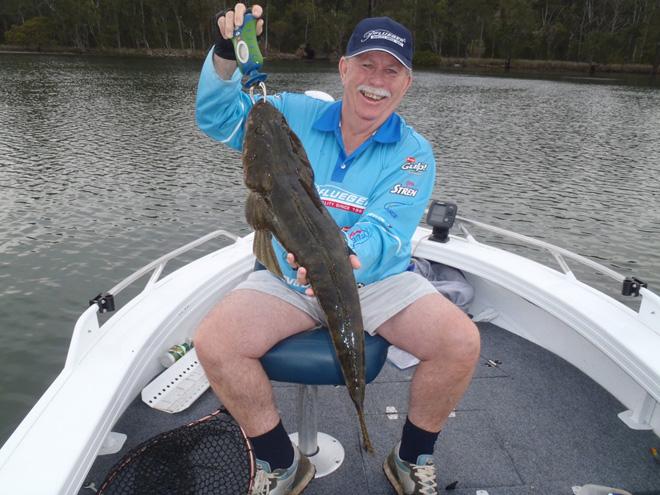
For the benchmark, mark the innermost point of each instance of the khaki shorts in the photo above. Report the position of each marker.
(379, 301)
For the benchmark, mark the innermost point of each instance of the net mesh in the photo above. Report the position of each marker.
(208, 456)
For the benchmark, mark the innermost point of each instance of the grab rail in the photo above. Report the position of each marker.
(87, 329)
(105, 300)
(557, 252)
(159, 264)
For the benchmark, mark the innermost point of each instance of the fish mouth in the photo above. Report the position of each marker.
(373, 94)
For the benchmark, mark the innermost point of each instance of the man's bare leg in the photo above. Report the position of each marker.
(447, 344)
(230, 341)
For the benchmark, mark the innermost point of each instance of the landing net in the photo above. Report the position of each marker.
(209, 456)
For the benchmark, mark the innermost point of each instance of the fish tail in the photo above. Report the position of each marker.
(365, 434)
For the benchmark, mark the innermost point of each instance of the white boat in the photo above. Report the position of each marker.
(530, 423)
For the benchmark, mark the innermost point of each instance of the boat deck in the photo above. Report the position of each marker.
(533, 424)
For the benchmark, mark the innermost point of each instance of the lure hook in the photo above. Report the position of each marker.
(262, 85)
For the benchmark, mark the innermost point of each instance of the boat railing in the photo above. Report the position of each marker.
(157, 266)
(105, 300)
(560, 254)
(649, 307)
(86, 330)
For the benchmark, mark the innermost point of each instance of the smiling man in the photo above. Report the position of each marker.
(375, 175)
(376, 72)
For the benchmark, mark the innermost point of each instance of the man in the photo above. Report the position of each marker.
(375, 175)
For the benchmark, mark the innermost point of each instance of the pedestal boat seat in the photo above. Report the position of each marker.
(309, 359)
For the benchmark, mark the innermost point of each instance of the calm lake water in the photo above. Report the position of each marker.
(102, 169)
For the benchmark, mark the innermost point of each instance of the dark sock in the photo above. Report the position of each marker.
(416, 442)
(274, 447)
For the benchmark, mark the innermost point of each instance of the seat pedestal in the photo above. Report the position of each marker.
(329, 454)
(323, 450)
(309, 360)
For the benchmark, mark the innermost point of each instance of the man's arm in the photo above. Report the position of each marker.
(381, 237)
(224, 59)
(221, 106)
(223, 67)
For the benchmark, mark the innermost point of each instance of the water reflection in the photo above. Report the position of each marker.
(102, 169)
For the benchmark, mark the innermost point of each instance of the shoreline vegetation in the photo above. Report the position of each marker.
(440, 63)
(545, 36)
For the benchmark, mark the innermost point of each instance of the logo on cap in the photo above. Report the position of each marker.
(383, 34)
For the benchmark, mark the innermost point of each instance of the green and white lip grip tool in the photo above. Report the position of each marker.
(248, 55)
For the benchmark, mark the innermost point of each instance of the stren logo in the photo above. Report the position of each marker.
(404, 190)
(414, 167)
(383, 34)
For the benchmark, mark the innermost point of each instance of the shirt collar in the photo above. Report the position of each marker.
(388, 132)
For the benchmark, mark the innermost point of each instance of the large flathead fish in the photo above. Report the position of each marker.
(283, 201)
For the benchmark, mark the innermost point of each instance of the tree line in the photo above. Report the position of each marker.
(595, 31)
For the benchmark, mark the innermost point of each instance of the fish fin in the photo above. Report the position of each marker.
(260, 217)
(304, 169)
(257, 211)
(313, 194)
(263, 250)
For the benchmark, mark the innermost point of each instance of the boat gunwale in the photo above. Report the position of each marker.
(479, 253)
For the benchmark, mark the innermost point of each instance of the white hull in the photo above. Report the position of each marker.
(108, 366)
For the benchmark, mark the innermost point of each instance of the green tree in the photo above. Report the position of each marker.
(76, 21)
(583, 30)
(651, 30)
(513, 27)
(433, 25)
(36, 32)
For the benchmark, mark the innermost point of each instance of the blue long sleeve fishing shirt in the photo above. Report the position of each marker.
(377, 194)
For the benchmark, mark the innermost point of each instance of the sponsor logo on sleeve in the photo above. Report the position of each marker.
(407, 189)
(412, 166)
(391, 208)
(358, 236)
(380, 220)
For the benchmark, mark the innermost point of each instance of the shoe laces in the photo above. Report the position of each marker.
(262, 482)
(425, 474)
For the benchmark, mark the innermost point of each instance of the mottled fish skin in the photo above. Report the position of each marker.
(283, 201)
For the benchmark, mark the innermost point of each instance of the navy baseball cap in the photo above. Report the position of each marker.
(382, 34)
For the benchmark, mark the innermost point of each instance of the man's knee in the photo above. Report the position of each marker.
(458, 338)
(466, 342)
(211, 345)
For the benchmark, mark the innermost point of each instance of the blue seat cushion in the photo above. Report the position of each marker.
(310, 358)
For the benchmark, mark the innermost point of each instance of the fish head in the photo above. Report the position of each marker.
(262, 130)
(270, 149)
(261, 123)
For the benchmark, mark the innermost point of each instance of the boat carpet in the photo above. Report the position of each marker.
(533, 424)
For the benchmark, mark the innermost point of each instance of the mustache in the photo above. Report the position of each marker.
(375, 91)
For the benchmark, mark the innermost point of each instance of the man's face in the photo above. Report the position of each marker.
(374, 85)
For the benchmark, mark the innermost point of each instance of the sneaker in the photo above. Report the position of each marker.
(410, 479)
(289, 481)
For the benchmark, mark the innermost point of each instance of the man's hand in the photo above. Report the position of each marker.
(301, 274)
(224, 58)
(231, 19)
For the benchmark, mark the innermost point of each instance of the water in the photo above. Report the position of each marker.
(102, 169)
